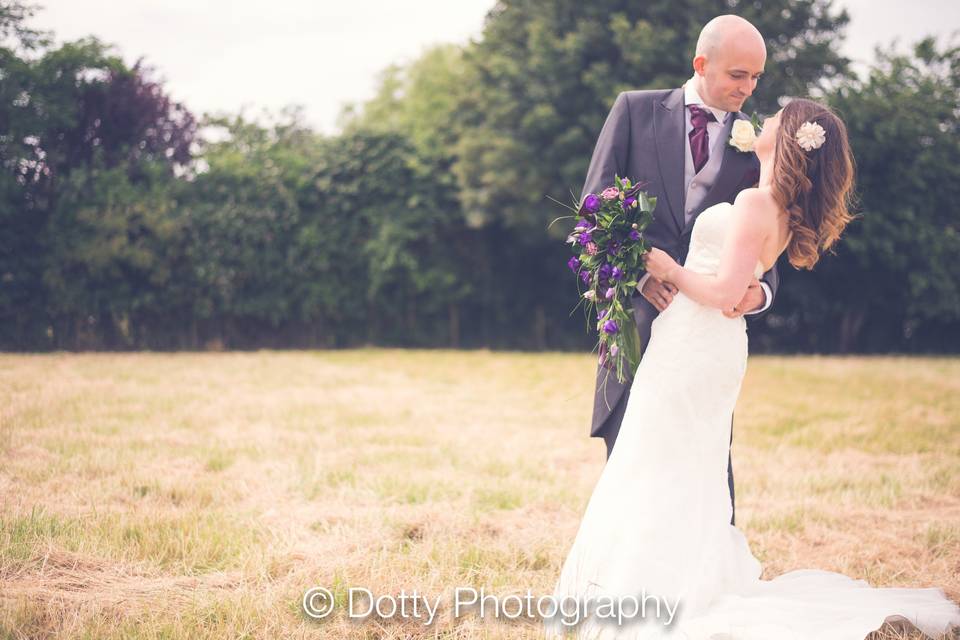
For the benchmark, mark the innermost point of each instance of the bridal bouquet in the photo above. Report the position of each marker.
(608, 242)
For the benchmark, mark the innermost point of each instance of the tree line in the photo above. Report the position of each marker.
(131, 223)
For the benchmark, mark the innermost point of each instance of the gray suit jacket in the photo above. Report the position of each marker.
(642, 139)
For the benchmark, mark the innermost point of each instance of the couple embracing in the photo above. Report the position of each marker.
(660, 522)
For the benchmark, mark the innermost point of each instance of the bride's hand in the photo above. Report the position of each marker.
(659, 264)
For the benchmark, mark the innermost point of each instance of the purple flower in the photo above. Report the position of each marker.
(605, 270)
(584, 237)
(634, 235)
(628, 202)
(585, 276)
(612, 291)
(583, 225)
(610, 326)
(617, 273)
(591, 203)
(573, 263)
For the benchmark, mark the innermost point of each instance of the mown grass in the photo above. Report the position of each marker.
(199, 495)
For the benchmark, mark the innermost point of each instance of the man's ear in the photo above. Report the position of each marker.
(700, 64)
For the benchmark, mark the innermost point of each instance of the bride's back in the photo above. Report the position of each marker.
(775, 219)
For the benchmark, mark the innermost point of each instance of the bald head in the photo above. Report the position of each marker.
(729, 61)
(722, 31)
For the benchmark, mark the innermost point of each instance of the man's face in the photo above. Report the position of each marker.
(730, 75)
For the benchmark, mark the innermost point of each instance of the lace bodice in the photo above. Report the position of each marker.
(706, 241)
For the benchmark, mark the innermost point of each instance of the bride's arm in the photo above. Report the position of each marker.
(749, 227)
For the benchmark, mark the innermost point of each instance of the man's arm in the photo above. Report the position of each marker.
(611, 153)
(769, 283)
(642, 281)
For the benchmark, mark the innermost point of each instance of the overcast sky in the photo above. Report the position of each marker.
(225, 55)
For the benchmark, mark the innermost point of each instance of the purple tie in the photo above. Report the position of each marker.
(699, 140)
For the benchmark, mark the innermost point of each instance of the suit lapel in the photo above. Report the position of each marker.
(668, 126)
(733, 168)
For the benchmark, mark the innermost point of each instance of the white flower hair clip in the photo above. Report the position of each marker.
(811, 136)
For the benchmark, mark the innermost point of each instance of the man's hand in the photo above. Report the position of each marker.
(752, 299)
(659, 294)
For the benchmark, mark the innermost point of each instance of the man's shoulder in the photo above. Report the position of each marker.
(648, 95)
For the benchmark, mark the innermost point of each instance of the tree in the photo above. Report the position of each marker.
(14, 33)
(378, 244)
(75, 121)
(239, 217)
(419, 101)
(425, 221)
(426, 245)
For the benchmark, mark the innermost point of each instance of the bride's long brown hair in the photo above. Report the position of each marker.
(814, 187)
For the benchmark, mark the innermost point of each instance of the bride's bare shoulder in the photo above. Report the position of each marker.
(757, 205)
(755, 198)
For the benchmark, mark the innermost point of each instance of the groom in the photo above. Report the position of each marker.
(676, 143)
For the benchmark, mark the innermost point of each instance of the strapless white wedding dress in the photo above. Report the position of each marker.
(658, 522)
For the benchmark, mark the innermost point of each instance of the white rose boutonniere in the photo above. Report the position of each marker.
(743, 136)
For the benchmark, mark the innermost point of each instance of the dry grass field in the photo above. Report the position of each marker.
(186, 496)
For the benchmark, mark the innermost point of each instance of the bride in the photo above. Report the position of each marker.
(655, 555)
